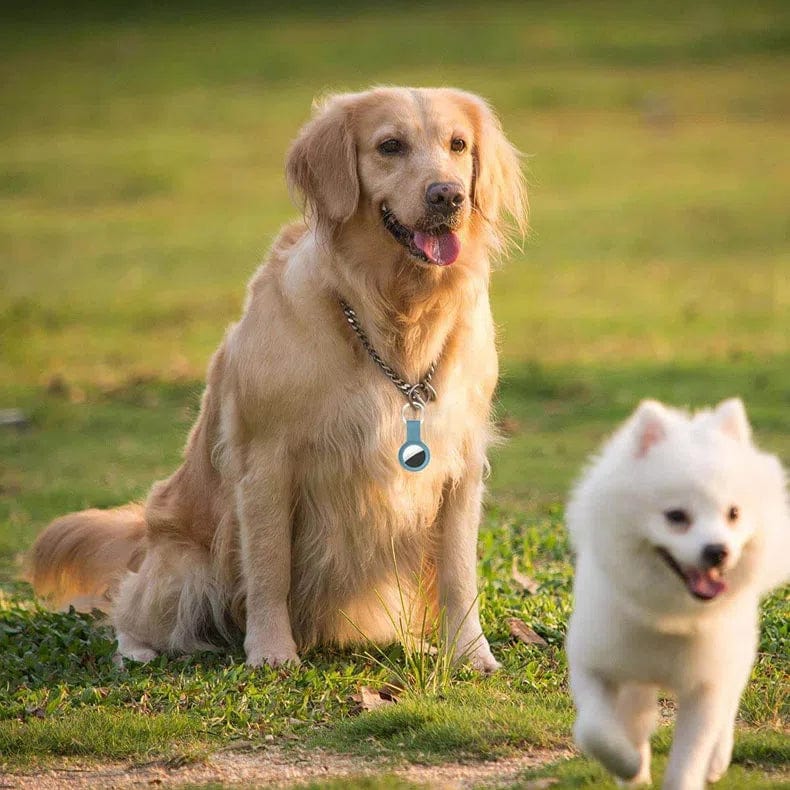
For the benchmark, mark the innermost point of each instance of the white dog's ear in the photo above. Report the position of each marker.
(730, 418)
(322, 163)
(650, 426)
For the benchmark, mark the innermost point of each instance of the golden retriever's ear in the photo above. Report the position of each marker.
(322, 164)
(499, 185)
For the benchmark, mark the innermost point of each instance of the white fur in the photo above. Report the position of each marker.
(635, 627)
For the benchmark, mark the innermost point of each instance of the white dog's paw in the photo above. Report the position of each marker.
(717, 769)
(643, 778)
(608, 744)
(131, 649)
(720, 760)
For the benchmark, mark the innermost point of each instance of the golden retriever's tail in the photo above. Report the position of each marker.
(79, 559)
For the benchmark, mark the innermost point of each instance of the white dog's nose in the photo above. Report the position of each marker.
(714, 554)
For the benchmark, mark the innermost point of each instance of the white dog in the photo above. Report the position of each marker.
(679, 526)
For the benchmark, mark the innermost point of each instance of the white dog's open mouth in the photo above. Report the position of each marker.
(441, 246)
(703, 583)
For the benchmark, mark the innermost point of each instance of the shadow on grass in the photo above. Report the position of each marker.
(760, 762)
(479, 721)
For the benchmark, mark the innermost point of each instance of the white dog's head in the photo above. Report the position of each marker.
(679, 507)
(707, 486)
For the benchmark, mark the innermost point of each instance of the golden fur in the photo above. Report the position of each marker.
(290, 506)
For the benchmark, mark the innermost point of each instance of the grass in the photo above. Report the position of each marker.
(141, 154)
(750, 750)
(363, 783)
(466, 722)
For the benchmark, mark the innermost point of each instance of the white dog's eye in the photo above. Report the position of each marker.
(678, 517)
(458, 145)
(733, 514)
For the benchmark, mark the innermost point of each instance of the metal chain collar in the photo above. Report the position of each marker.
(417, 394)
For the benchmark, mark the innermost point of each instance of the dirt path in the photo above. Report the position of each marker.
(274, 767)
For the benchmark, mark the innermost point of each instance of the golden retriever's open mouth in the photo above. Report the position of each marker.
(440, 246)
(703, 583)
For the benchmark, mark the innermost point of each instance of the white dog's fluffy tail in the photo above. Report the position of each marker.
(79, 559)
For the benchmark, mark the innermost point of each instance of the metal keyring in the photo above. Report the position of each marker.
(417, 406)
(422, 393)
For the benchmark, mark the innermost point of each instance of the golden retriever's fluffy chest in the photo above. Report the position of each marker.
(359, 490)
(358, 512)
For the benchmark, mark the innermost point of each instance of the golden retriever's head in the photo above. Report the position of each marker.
(429, 168)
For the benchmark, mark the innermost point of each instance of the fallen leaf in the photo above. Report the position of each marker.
(369, 699)
(522, 580)
(391, 690)
(521, 631)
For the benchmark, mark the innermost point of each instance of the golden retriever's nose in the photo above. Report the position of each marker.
(445, 196)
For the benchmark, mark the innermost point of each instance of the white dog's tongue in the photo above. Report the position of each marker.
(441, 249)
(703, 584)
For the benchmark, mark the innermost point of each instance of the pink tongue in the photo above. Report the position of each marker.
(702, 585)
(442, 249)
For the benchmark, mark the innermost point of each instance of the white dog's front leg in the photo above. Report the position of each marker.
(739, 671)
(459, 521)
(637, 710)
(264, 498)
(722, 750)
(600, 731)
(701, 716)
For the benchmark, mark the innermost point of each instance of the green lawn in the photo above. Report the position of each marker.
(141, 161)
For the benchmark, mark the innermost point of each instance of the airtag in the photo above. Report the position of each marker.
(414, 454)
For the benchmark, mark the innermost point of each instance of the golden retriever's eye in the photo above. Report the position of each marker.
(458, 145)
(391, 146)
(678, 517)
(733, 514)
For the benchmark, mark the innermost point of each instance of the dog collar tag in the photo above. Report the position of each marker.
(414, 454)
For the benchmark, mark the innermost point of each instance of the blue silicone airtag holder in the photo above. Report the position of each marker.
(414, 454)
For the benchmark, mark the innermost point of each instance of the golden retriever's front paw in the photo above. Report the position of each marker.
(133, 650)
(483, 660)
(273, 659)
(272, 655)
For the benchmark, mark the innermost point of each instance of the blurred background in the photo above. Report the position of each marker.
(141, 181)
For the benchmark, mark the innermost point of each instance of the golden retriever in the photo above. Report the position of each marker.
(291, 512)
